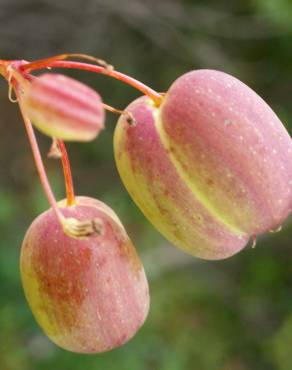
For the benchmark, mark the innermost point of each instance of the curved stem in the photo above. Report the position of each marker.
(152, 94)
(67, 173)
(38, 160)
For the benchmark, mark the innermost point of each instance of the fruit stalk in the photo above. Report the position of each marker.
(152, 94)
(38, 159)
(67, 173)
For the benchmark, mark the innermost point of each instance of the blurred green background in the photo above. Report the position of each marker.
(229, 315)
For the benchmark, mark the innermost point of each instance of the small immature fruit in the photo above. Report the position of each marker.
(64, 108)
(210, 167)
(88, 295)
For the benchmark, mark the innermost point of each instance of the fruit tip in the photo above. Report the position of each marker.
(81, 229)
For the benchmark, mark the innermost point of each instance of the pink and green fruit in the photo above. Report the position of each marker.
(88, 295)
(210, 167)
(63, 108)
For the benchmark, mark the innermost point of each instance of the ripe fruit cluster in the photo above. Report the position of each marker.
(208, 163)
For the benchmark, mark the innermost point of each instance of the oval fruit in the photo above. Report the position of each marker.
(63, 108)
(210, 167)
(88, 295)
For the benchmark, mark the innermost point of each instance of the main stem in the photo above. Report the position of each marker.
(67, 173)
(152, 94)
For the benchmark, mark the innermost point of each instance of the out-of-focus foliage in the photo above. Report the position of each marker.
(228, 315)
